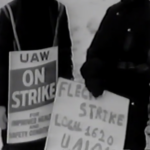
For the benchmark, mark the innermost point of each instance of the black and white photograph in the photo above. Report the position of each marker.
(75, 74)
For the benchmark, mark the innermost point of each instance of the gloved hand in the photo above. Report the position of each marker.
(92, 71)
(3, 119)
(95, 87)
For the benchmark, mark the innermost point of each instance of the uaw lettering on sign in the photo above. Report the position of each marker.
(32, 86)
(35, 57)
(81, 122)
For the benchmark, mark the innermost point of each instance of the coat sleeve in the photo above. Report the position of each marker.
(99, 54)
(65, 48)
(6, 45)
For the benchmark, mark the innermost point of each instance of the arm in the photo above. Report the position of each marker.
(6, 38)
(65, 45)
(99, 57)
(99, 54)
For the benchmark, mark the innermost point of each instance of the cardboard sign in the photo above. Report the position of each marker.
(79, 122)
(32, 85)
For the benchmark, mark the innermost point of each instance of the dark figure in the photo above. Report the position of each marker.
(35, 22)
(118, 61)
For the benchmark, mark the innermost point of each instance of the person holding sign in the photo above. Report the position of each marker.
(118, 61)
(32, 26)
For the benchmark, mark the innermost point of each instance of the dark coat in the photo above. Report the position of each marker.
(123, 36)
(118, 60)
(35, 31)
(35, 23)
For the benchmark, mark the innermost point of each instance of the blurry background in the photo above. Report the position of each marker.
(85, 17)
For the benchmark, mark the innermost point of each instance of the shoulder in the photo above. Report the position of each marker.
(13, 5)
(60, 4)
(61, 7)
(115, 7)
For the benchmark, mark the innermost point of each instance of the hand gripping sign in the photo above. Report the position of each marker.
(79, 122)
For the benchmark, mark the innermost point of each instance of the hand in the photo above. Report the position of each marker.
(95, 87)
(3, 119)
(92, 69)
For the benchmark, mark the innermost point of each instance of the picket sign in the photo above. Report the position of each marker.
(81, 122)
(32, 84)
